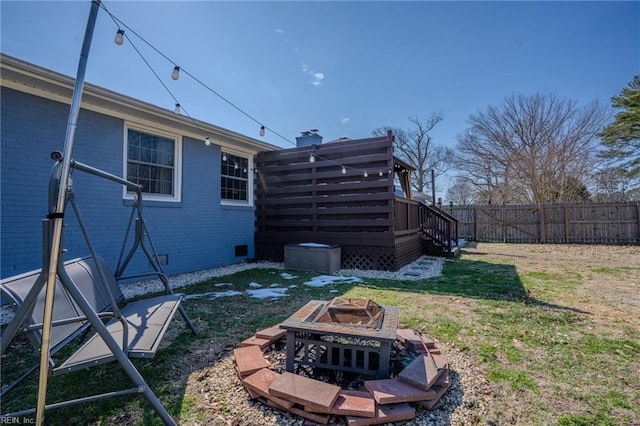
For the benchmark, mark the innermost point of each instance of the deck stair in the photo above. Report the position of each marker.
(439, 231)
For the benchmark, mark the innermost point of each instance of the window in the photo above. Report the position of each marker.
(234, 184)
(152, 161)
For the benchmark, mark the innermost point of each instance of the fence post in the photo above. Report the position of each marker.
(638, 210)
(504, 223)
(475, 223)
(543, 236)
(566, 224)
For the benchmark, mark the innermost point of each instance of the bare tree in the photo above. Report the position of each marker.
(537, 148)
(462, 192)
(417, 147)
(614, 184)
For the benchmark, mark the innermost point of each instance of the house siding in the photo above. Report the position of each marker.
(196, 233)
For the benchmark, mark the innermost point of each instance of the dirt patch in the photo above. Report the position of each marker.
(607, 277)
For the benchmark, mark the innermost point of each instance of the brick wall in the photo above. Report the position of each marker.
(197, 233)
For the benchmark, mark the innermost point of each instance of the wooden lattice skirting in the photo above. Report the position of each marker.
(392, 258)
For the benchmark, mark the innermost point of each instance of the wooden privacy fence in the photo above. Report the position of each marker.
(610, 223)
(331, 200)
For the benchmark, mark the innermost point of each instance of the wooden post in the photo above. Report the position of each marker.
(566, 224)
(504, 223)
(475, 223)
(542, 224)
(638, 211)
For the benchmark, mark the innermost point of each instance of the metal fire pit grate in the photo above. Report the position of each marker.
(353, 335)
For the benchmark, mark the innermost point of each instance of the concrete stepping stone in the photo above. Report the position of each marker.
(259, 383)
(249, 360)
(385, 414)
(390, 391)
(305, 391)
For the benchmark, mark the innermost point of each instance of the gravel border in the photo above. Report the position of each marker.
(422, 268)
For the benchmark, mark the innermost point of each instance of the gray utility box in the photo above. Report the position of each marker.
(312, 257)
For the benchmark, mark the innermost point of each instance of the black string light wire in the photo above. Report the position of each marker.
(120, 34)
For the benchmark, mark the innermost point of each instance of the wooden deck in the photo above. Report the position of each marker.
(303, 201)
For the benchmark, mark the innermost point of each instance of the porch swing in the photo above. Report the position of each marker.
(83, 293)
(87, 290)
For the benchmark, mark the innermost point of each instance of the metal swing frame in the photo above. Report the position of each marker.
(54, 272)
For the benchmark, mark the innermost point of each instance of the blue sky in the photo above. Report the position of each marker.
(345, 68)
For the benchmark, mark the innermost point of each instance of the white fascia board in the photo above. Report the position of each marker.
(29, 78)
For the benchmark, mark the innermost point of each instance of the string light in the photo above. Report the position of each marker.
(224, 157)
(207, 141)
(119, 38)
(175, 75)
(236, 166)
(380, 173)
(177, 108)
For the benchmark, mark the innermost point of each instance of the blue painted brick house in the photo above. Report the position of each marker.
(198, 198)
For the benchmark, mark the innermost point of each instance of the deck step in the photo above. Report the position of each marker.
(148, 320)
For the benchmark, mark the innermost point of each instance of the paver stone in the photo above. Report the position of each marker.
(259, 383)
(305, 391)
(390, 391)
(385, 414)
(249, 360)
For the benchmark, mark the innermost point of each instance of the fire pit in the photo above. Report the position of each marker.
(353, 335)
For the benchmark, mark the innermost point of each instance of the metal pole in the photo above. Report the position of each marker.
(433, 187)
(58, 214)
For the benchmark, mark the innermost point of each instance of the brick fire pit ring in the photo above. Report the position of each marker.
(422, 382)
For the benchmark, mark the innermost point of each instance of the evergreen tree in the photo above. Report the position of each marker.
(622, 137)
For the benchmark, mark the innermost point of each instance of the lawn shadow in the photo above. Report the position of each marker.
(475, 279)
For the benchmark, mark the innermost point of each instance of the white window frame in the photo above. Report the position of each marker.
(250, 175)
(177, 163)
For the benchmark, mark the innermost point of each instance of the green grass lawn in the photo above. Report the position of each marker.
(553, 350)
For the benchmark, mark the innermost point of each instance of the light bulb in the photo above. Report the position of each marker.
(366, 174)
(261, 130)
(312, 159)
(177, 109)
(207, 141)
(224, 157)
(236, 166)
(344, 170)
(380, 173)
(119, 38)
(176, 73)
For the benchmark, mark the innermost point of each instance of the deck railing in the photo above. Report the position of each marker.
(406, 216)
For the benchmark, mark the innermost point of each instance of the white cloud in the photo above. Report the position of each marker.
(317, 78)
(279, 31)
(344, 120)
